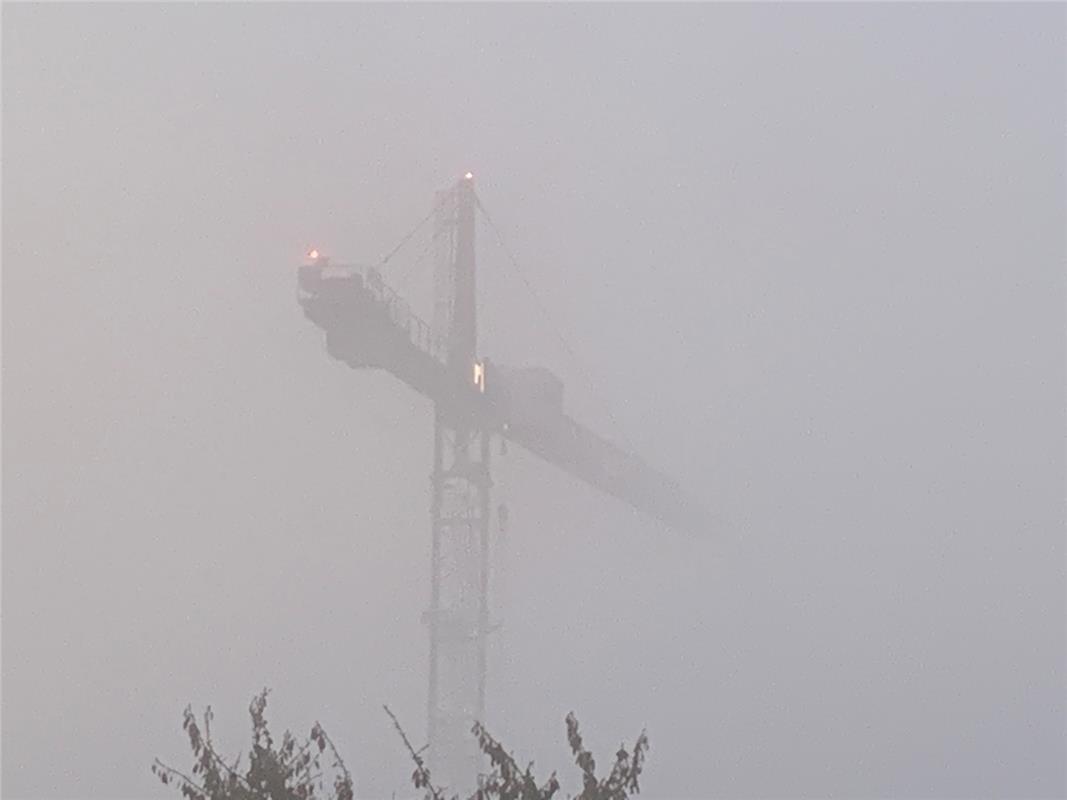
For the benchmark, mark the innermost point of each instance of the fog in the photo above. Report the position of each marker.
(807, 259)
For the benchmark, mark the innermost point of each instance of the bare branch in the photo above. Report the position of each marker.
(421, 776)
(159, 767)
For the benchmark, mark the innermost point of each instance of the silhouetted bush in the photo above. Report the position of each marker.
(293, 771)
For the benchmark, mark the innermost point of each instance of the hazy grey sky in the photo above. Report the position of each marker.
(811, 256)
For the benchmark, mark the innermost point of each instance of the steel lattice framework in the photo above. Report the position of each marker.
(368, 325)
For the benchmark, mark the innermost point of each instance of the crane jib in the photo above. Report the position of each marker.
(367, 325)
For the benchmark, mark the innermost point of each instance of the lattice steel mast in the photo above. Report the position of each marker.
(459, 598)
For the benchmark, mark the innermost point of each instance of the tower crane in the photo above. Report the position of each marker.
(368, 325)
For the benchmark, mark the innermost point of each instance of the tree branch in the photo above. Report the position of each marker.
(159, 766)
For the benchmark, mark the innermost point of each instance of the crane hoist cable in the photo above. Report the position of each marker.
(582, 369)
(406, 238)
(410, 271)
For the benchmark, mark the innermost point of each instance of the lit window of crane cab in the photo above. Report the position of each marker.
(479, 376)
(315, 256)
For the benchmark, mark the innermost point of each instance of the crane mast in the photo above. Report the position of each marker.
(460, 508)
